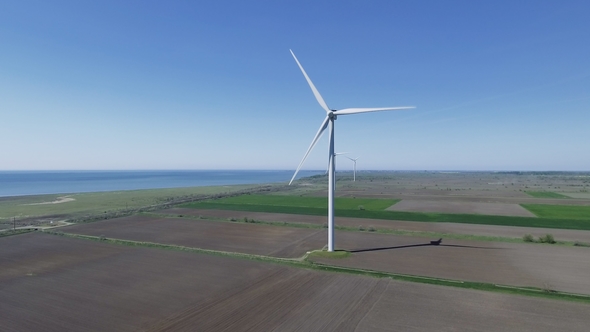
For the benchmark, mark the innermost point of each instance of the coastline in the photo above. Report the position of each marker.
(33, 183)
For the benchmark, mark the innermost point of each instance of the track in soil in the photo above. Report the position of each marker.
(52, 283)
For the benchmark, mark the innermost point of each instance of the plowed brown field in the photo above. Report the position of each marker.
(275, 241)
(559, 268)
(51, 283)
(552, 267)
(458, 207)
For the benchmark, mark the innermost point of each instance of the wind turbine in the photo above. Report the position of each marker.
(354, 173)
(331, 115)
(335, 155)
(334, 177)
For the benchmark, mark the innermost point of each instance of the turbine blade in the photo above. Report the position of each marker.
(349, 158)
(315, 91)
(313, 143)
(366, 110)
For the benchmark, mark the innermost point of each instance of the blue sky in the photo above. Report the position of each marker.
(498, 85)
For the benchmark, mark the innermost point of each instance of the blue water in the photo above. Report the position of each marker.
(18, 183)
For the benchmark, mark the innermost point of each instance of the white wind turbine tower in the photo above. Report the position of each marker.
(354, 172)
(329, 120)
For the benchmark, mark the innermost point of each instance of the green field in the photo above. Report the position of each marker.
(545, 194)
(341, 203)
(559, 211)
(267, 203)
(100, 202)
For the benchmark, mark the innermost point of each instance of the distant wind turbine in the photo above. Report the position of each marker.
(354, 161)
(331, 115)
(335, 155)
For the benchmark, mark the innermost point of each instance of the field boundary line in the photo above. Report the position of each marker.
(514, 290)
(147, 244)
(18, 231)
(543, 290)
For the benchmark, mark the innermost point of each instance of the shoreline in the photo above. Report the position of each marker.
(39, 183)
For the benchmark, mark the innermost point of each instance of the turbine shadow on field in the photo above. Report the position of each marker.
(419, 245)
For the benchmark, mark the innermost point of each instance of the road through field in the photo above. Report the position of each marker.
(52, 283)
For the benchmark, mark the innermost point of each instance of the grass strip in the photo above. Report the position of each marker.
(545, 194)
(579, 212)
(146, 244)
(307, 264)
(526, 291)
(236, 220)
(405, 216)
(336, 254)
(346, 203)
(15, 232)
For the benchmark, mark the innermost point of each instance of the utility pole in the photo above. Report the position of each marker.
(13, 223)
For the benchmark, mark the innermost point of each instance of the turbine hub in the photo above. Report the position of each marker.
(331, 115)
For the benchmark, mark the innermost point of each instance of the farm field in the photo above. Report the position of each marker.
(374, 210)
(43, 209)
(546, 194)
(441, 227)
(188, 266)
(471, 184)
(526, 265)
(560, 211)
(544, 266)
(466, 197)
(452, 187)
(583, 195)
(310, 202)
(52, 283)
(459, 187)
(225, 236)
(496, 209)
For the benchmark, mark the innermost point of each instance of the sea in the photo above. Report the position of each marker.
(20, 183)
